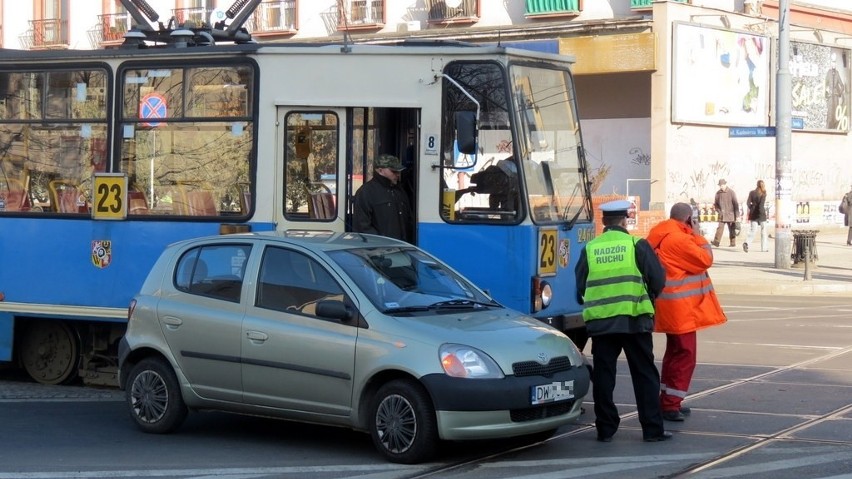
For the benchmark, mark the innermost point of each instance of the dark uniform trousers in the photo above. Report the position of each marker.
(638, 348)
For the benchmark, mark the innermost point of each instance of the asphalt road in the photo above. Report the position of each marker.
(772, 398)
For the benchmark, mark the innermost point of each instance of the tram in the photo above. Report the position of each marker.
(106, 156)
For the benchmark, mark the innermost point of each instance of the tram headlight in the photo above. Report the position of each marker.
(542, 294)
(546, 294)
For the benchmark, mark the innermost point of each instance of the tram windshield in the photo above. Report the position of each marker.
(541, 161)
(550, 143)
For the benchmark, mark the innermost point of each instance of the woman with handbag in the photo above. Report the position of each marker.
(756, 205)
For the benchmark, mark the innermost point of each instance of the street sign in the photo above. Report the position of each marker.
(152, 105)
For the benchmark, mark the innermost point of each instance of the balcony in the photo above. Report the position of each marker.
(113, 27)
(648, 4)
(197, 15)
(48, 33)
(553, 8)
(444, 12)
(360, 14)
(273, 17)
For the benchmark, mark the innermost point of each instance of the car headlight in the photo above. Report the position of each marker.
(460, 361)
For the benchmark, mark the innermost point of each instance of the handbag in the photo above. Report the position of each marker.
(738, 227)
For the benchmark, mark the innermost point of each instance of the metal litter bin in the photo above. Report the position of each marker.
(804, 246)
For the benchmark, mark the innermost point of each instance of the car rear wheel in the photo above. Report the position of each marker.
(153, 395)
(403, 425)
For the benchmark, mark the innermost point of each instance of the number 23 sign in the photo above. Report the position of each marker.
(110, 196)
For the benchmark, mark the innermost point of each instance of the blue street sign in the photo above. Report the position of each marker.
(751, 131)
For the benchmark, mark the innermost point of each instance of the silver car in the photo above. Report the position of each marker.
(342, 329)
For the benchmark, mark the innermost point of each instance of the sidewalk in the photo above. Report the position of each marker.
(737, 272)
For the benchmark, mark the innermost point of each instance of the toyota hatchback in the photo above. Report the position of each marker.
(341, 329)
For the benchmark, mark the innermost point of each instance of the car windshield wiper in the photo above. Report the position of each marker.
(453, 304)
(462, 304)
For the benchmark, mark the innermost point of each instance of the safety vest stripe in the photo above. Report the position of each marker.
(685, 294)
(696, 278)
(613, 280)
(616, 299)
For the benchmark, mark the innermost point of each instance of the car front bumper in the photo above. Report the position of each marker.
(493, 408)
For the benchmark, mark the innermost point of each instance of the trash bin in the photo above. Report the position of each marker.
(804, 242)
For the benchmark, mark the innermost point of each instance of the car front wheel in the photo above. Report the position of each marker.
(153, 396)
(402, 424)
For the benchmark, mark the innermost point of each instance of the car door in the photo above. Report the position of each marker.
(291, 358)
(201, 318)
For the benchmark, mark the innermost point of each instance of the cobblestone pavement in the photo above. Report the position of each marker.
(14, 386)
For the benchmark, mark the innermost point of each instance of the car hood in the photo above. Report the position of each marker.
(507, 336)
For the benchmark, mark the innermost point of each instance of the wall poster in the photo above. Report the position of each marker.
(820, 86)
(721, 77)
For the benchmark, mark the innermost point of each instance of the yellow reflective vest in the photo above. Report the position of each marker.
(614, 286)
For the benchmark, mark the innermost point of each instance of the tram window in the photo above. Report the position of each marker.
(54, 130)
(310, 173)
(487, 189)
(187, 137)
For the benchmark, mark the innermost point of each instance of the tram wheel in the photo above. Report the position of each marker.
(50, 352)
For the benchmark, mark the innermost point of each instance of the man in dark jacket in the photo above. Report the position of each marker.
(381, 205)
(728, 210)
(618, 276)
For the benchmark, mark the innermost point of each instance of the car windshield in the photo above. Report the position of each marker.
(406, 280)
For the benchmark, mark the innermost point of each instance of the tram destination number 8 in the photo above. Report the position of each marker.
(110, 201)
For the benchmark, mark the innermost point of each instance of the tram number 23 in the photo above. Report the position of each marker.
(110, 198)
(547, 252)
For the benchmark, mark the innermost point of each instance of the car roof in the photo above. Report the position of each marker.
(321, 240)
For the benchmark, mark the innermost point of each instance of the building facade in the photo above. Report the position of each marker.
(674, 95)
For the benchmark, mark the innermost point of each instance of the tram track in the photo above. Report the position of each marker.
(760, 441)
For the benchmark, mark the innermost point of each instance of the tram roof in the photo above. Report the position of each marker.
(421, 47)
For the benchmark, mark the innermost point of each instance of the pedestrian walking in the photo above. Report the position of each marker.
(728, 209)
(756, 207)
(687, 303)
(618, 276)
(845, 209)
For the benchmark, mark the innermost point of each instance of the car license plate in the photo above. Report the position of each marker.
(553, 392)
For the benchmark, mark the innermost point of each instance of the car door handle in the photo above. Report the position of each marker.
(257, 336)
(172, 322)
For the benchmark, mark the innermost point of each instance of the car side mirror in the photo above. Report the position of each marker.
(334, 309)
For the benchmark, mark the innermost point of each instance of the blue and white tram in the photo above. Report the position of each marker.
(107, 156)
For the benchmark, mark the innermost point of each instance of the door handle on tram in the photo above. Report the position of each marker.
(257, 336)
(172, 322)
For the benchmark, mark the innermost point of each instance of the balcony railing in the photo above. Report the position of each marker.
(197, 15)
(275, 16)
(49, 33)
(357, 14)
(453, 11)
(114, 26)
(647, 4)
(553, 7)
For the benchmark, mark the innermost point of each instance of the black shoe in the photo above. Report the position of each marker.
(745, 247)
(714, 243)
(676, 416)
(665, 436)
(604, 438)
(685, 410)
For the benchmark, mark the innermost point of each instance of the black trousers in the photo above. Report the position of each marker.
(638, 348)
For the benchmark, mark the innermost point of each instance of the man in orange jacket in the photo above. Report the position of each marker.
(687, 304)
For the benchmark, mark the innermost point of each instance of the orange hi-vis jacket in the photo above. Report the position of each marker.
(688, 302)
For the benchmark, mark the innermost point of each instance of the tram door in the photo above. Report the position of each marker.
(328, 155)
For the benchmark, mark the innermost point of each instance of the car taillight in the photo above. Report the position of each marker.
(130, 308)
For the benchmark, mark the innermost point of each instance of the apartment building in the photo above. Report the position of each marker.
(674, 94)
